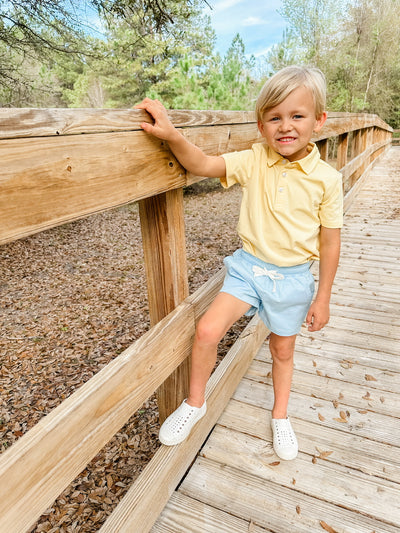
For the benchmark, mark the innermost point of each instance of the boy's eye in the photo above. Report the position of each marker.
(297, 116)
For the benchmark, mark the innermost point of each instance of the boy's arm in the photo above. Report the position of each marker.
(318, 314)
(190, 156)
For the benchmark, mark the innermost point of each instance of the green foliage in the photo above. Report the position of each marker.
(165, 50)
(355, 43)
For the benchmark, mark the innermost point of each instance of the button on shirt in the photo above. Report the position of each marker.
(284, 203)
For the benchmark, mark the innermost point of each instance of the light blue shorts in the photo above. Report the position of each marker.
(281, 295)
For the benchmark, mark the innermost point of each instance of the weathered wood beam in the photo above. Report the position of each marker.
(164, 248)
(59, 165)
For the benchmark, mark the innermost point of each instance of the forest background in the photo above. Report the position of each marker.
(166, 50)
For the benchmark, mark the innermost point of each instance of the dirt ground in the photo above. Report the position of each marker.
(72, 299)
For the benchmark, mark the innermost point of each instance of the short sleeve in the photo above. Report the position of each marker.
(331, 208)
(239, 167)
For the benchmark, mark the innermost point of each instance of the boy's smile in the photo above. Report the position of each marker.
(288, 126)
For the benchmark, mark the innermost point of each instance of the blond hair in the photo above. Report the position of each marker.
(285, 81)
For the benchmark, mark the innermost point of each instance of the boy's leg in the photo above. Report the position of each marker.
(213, 325)
(218, 319)
(284, 439)
(282, 350)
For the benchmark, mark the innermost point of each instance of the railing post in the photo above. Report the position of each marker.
(342, 150)
(164, 248)
(356, 144)
(323, 147)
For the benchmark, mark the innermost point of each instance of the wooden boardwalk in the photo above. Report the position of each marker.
(345, 406)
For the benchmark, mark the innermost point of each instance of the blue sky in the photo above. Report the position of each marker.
(257, 22)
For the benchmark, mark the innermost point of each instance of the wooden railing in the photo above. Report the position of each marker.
(60, 165)
(396, 138)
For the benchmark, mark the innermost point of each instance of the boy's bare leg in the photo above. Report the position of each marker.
(282, 350)
(221, 315)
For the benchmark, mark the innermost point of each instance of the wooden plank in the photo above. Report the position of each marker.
(188, 515)
(323, 147)
(388, 362)
(49, 181)
(342, 486)
(339, 123)
(30, 122)
(42, 462)
(164, 248)
(147, 497)
(389, 316)
(340, 366)
(343, 144)
(360, 339)
(367, 304)
(370, 425)
(382, 398)
(56, 178)
(270, 504)
(347, 449)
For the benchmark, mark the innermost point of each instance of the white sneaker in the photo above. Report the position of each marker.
(179, 424)
(285, 441)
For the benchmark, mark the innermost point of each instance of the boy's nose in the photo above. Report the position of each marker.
(286, 125)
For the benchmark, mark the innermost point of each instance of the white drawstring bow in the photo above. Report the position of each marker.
(272, 274)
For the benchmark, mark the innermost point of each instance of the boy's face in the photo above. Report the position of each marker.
(288, 127)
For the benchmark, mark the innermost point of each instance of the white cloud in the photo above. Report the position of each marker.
(253, 21)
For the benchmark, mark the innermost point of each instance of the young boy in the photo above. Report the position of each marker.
(291, 214)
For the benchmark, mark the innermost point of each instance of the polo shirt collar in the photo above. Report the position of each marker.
(307, 164)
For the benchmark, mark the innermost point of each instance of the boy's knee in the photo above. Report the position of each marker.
(282, 351)
(207, 332)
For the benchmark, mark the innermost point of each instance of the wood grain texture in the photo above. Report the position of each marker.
(61, 165)
(164, 249)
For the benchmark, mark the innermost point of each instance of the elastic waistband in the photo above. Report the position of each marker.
(286, 271)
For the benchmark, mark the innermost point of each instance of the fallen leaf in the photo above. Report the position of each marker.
(345, 363)
(335, 404)
(325, 526)
(322, 418)
(341, 396)
(323, 454)
(275, 463)
(362, 411)
(293, 481)
(382, 399)
(342, 420)
(298, 509)
(343, 415)
(368, 377)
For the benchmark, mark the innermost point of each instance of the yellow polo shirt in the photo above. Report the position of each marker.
(284, 203)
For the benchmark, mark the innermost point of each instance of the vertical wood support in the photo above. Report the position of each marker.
(342, 150)
(164, 248)
(357, 143)
(323, 147)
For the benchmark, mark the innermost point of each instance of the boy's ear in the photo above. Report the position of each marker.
(260, 126)
(320, 121)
